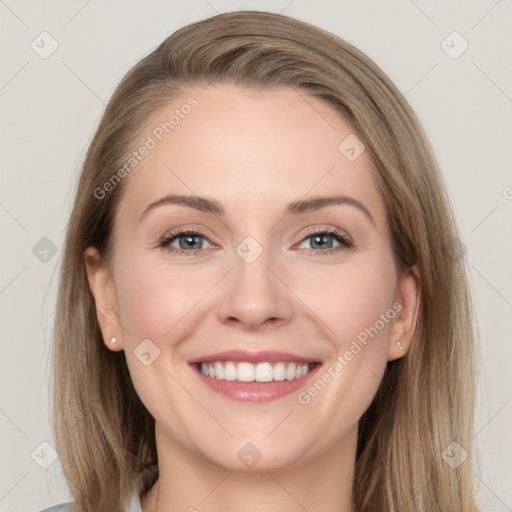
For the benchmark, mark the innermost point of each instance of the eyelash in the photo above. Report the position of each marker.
(345, 242)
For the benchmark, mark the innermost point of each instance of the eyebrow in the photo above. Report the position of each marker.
(205, 205)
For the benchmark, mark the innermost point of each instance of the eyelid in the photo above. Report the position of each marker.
(324, 229)
(186, 229)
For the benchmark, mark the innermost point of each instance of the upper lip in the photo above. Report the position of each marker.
(252, 357)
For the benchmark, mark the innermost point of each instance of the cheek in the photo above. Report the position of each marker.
(353, 301)
(154, 298)
(157, 302)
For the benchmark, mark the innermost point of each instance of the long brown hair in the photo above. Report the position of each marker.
(105, 436)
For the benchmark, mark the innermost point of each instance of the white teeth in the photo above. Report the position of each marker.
(264, 373)
(279, 372)
(230, 372)
(219, 371)
(248, 372)
(245, 372)
(290, 372)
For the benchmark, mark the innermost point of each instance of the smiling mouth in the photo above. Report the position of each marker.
(263, 372)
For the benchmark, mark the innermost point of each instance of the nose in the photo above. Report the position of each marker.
(255, 295)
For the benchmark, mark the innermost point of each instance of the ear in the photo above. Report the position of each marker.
(407, 304)
(101, 283)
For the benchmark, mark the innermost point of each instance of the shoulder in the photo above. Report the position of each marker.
(63, 507)
(134, 506)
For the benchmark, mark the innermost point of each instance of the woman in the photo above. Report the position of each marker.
(261, 303)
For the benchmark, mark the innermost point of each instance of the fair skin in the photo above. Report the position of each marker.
(253, 152)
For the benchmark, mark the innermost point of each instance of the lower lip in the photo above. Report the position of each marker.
(256, 391)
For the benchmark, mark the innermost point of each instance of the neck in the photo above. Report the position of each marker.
(189, 483)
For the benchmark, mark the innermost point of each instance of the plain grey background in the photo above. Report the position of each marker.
(51, 104)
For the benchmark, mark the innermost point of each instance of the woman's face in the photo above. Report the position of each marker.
(289, 303)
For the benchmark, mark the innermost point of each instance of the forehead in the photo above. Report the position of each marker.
(249, 149)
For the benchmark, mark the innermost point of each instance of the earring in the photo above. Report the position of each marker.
(399, 344)
(113, 340)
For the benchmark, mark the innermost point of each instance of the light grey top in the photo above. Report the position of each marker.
(133, 506)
